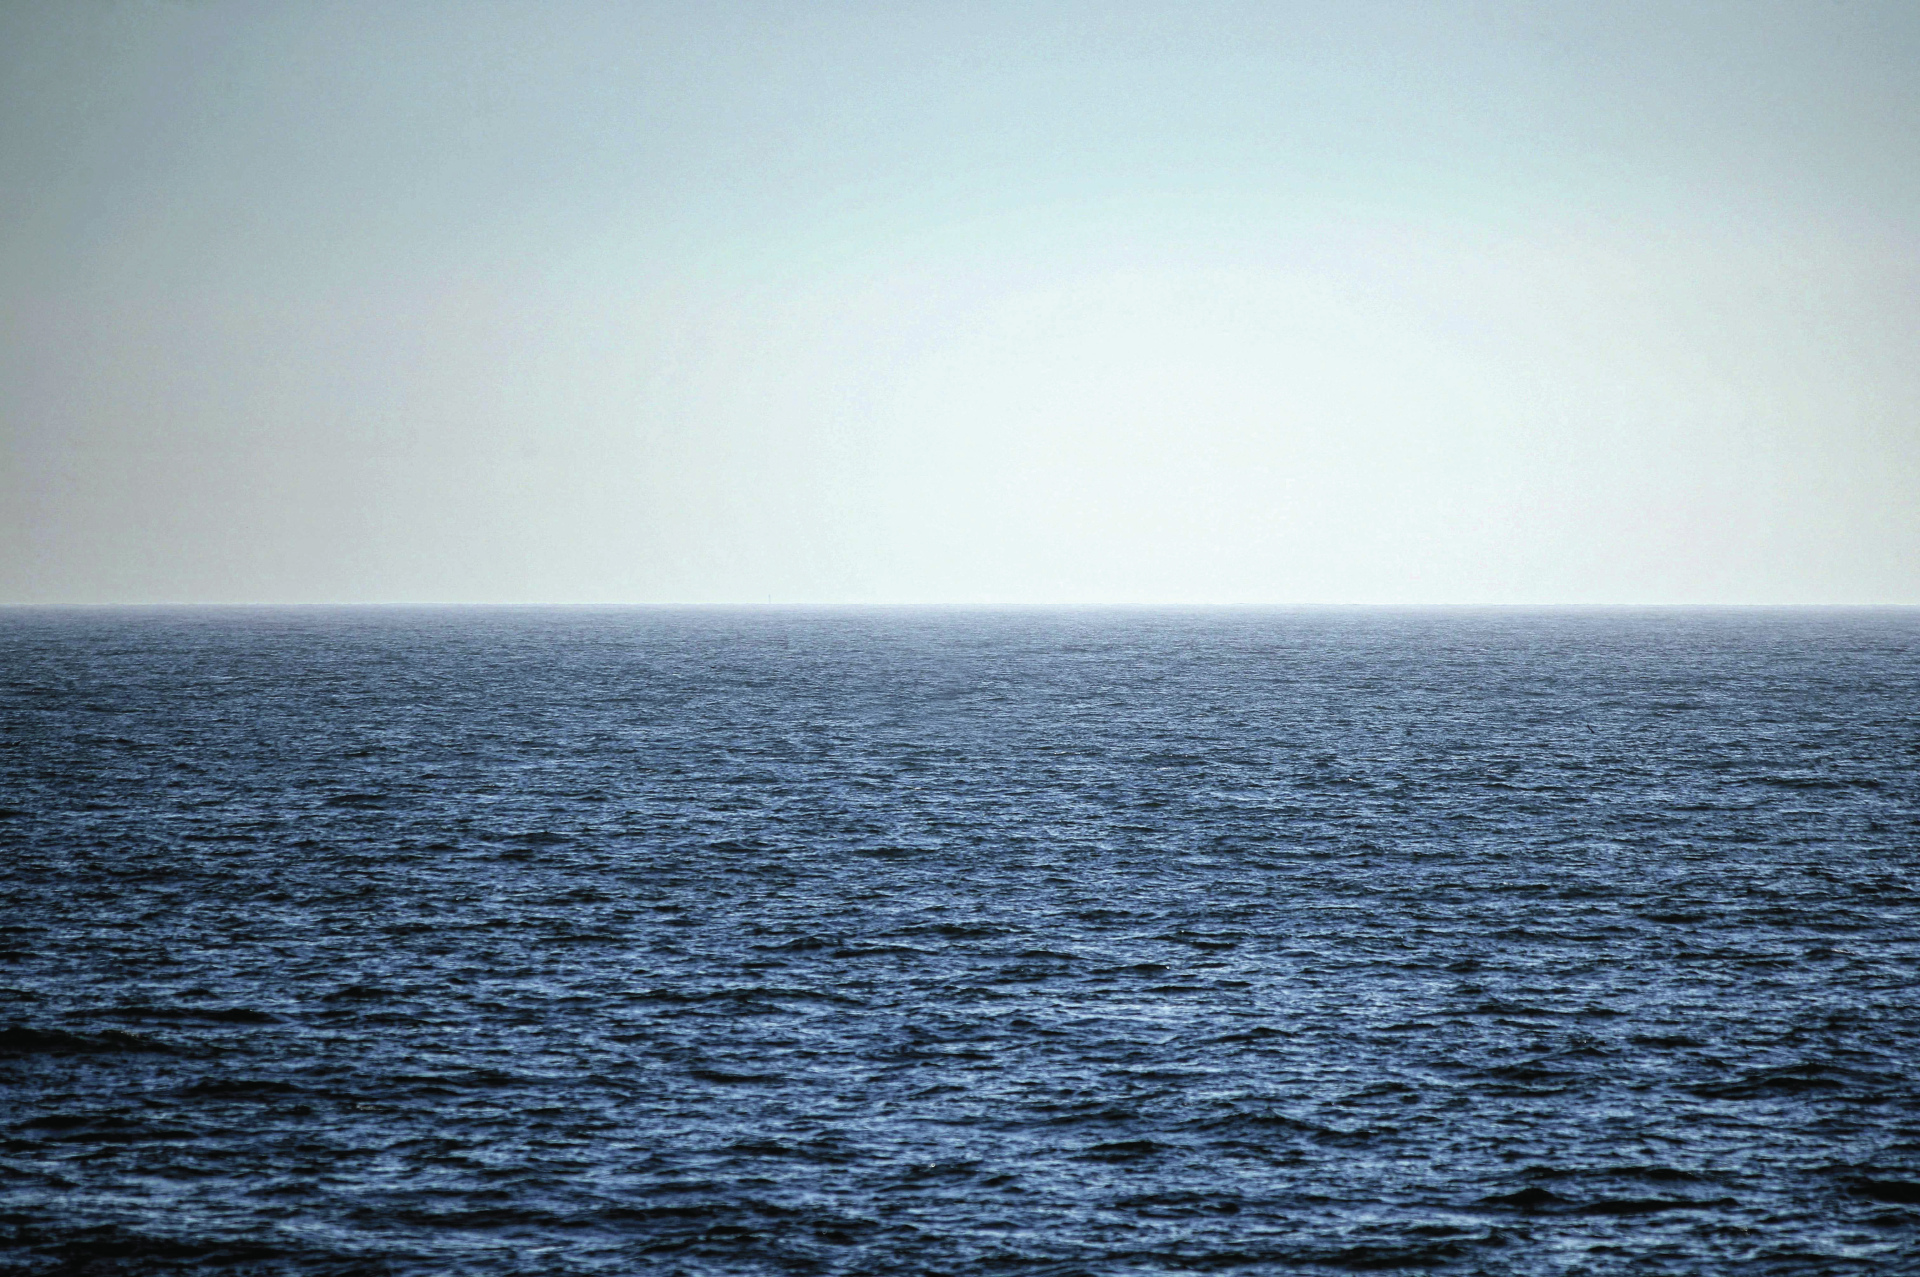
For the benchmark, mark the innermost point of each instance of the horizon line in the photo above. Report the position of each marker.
(949, 605)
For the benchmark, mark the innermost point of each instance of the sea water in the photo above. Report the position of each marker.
(896, 941)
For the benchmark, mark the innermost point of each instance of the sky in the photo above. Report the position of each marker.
(1346, 301)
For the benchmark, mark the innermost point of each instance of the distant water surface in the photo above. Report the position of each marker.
(835, 942)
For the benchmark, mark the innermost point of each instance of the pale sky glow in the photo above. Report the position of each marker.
(973, 303)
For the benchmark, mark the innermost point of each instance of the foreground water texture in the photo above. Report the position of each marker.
(477, 941)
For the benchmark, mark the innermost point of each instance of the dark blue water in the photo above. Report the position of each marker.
(914, 942)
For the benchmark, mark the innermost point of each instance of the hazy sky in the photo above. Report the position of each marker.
(960, 302)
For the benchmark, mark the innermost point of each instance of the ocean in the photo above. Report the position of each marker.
(896, 941)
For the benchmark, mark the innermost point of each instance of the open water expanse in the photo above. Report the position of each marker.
(912, 942)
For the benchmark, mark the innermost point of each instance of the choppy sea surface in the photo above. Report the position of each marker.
(836, 942)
